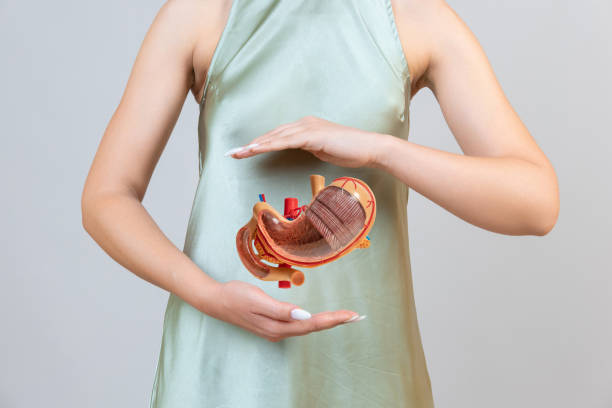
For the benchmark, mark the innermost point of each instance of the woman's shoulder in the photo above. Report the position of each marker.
(200, 19)
(190, 7)
(197, 24)
(425, 28)
(193, 22)
(415, 20)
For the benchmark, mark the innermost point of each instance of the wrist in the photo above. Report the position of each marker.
(207, 296)
(195, 287)
(382, 150)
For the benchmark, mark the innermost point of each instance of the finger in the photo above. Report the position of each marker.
(245, 152)
(274, 132)
(280, 135)
(318, 322)
(293, 140)
(326, 320)
(242, 151)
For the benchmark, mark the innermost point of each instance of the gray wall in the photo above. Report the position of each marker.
(506, 321)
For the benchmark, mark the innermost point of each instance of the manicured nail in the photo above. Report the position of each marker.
(355, 318)
(300, 314)
(239, 149)
(351, 319)
(234, 150)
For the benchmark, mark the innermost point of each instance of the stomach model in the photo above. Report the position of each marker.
(335, 222)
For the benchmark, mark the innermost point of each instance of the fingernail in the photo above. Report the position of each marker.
(351, 319)
(239, 149)
(300, 314)
(234, 150)
(355, 318)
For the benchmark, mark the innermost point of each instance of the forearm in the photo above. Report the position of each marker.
(501, 194)
(125, 230)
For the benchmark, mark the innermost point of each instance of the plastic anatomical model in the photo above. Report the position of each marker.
(336, 221)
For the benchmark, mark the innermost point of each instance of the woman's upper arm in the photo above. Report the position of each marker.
(156, 90)
(470, 96)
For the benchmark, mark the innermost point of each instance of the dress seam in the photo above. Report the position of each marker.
(217, 51)
(405, 69)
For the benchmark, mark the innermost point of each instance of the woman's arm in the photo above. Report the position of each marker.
(503, 183)
(131, 146)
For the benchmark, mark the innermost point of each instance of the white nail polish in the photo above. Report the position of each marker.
(351, 319)
(233, 150)
(252, 145)
(300, 314)
(361, 318)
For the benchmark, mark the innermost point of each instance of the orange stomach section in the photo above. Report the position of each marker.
(334, 221)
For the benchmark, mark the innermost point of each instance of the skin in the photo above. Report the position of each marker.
(503, 182)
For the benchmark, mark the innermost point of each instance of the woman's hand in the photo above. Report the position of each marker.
(337, 144)
(249, 307)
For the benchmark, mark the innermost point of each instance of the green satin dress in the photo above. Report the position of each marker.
(277, 61)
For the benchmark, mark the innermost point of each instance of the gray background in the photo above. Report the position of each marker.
(506, 321)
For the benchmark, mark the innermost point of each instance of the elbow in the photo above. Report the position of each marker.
(89, 207)
(544, 203)
(98, 201)
(545, 223)
(86, 211)
(538, 222)
(545, 215)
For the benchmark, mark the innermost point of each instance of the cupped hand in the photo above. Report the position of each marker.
(331, 142)
(249, 307)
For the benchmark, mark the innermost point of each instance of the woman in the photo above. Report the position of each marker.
(309, 87)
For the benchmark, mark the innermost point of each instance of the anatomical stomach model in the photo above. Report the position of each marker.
(336, 221)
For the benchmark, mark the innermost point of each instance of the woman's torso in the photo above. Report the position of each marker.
(216, 12)
(277, 61)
